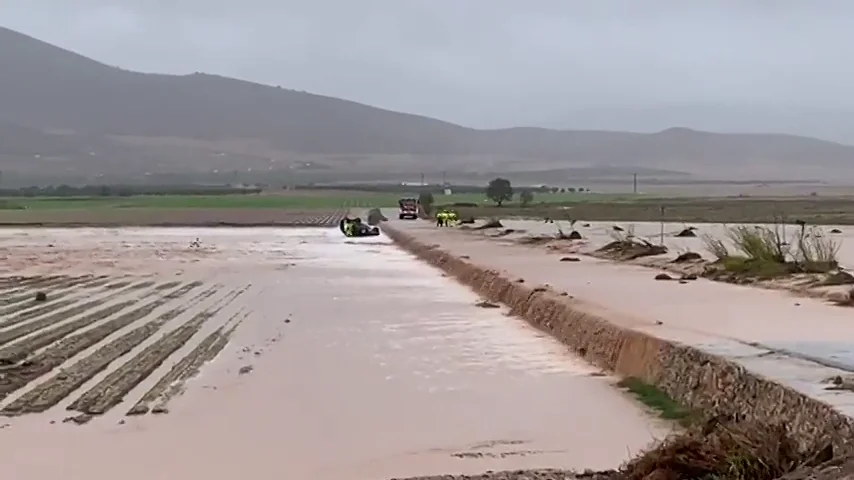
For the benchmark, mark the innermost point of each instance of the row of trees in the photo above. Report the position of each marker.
(500, 190)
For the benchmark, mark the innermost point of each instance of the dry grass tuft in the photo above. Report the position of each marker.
(726, 450)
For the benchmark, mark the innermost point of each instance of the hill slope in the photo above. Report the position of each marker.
(79, 110)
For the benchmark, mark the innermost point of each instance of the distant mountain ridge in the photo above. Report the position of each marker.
(91, 117)
(833, 124)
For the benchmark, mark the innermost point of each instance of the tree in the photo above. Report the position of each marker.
(425, 199)
(499, 191)
(526, 197)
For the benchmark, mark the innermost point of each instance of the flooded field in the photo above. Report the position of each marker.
(597, 234)
(278, 353)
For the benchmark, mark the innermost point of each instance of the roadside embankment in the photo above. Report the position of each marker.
(709, 372)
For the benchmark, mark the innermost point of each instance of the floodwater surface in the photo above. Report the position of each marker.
(351, 360)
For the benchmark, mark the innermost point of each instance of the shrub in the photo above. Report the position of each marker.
(765, 252)
(816, 252)
(760, 243)
(715, 246)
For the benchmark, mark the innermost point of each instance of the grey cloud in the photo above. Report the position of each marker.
(478, 62)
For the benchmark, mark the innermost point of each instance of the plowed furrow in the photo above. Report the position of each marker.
(26, 297)
(17, 375)
(25, 302)
(40, 282)
(51, 281)
(10, 281)
(24, 329)
(110, 391)
(167, 285)
(10, 293)
(54, 390)
(29, 281)
(173, 382)
(17, 352)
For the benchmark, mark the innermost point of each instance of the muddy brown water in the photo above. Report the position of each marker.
(350, 360)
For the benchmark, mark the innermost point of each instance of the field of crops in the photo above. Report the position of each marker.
(94, 339)
(172, 217)
(303, 200)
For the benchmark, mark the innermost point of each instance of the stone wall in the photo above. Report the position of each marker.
(698, 380)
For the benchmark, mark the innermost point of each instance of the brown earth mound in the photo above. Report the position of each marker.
(688, 257)
(375, 217)
(700, 381)
(573, 235)
(494, 223)
(625, 250)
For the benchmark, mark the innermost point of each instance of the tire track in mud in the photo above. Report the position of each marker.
(19, 374)
(22, 327)
(111, 390)
(53, 391)
(172, 384)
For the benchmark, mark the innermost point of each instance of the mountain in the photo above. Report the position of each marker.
(834, 124)
(67, 114)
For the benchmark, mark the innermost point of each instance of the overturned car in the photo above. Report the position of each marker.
(354, 227)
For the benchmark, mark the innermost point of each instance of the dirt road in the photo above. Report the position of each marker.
(278, 353)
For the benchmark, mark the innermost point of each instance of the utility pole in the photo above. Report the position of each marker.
(422, 179)
(635, 183)
(443, 179)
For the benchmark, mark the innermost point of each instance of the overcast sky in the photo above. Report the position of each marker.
(477, 62)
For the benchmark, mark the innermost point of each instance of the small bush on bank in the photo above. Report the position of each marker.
(765, 252)
(715, 246)
(816, 251)
(760, 243)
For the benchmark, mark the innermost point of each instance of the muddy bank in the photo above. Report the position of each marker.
(698, 380)
(517, 475)
(691, 251)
